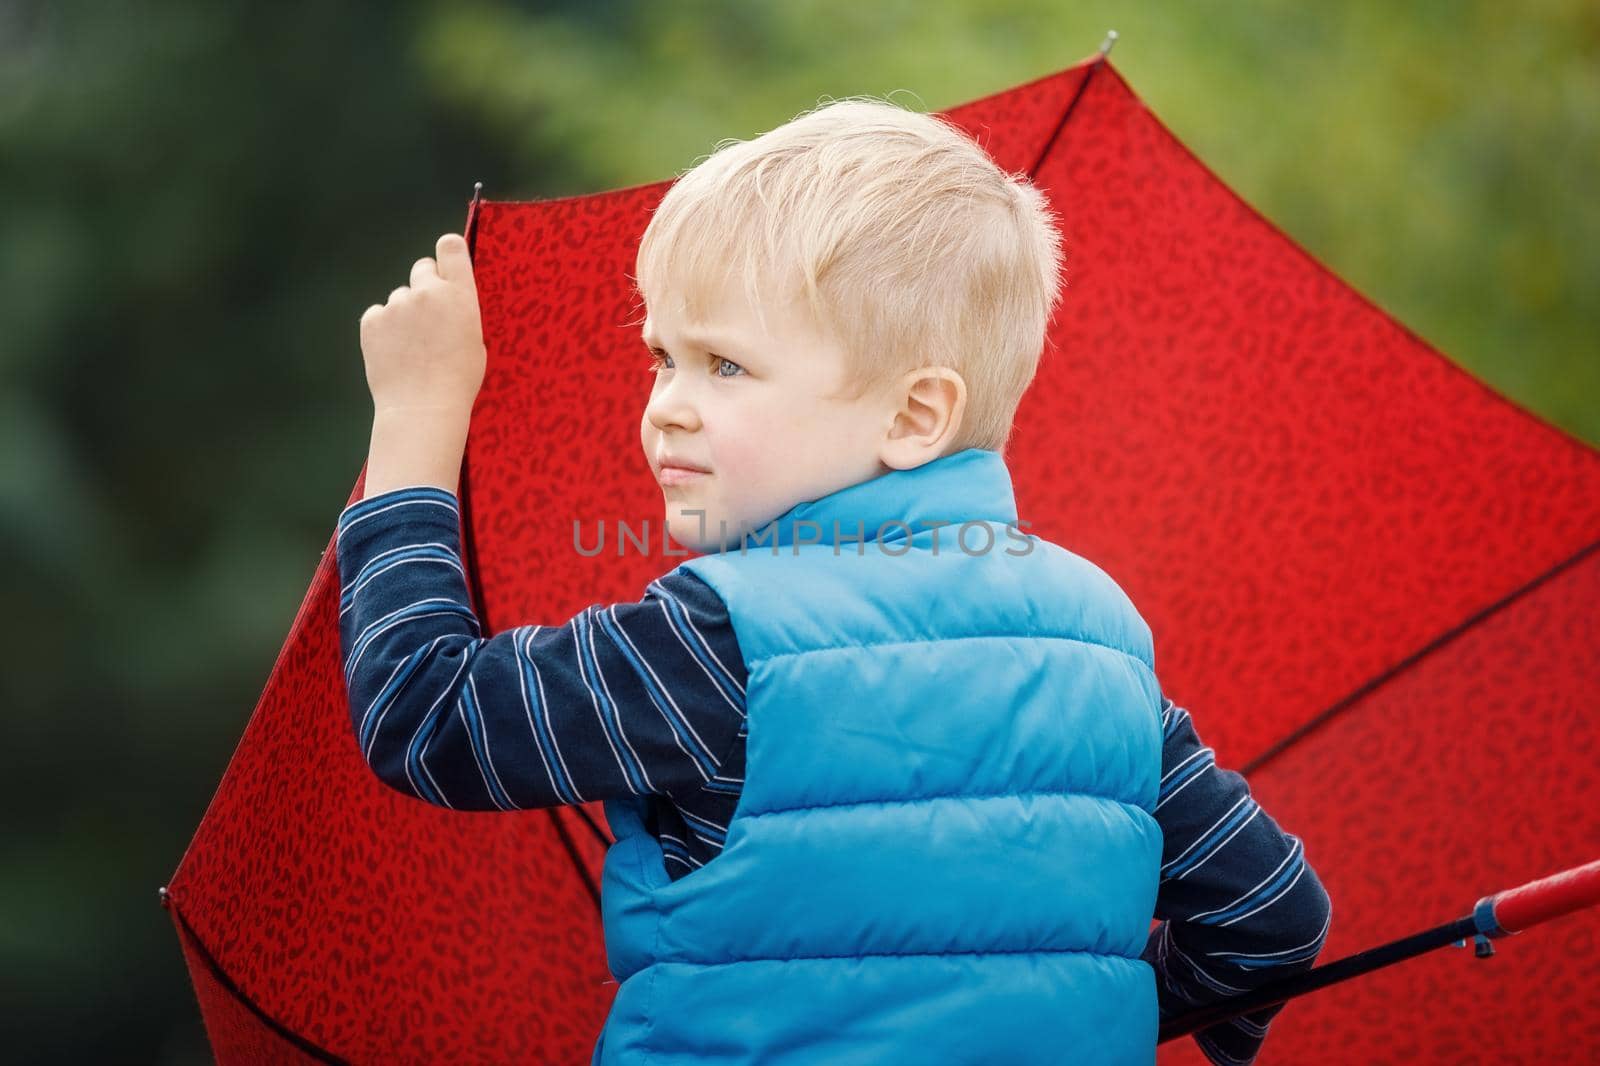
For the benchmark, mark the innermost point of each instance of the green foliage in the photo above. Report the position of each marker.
(201, 199)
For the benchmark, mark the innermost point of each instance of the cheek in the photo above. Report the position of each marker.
(740, 444)
(758, 478)
(735, 464)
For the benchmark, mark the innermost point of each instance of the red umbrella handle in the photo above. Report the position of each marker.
(1516, 909)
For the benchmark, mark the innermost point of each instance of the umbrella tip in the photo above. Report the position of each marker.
(1105, 45)
(477, 190)
(166, 897)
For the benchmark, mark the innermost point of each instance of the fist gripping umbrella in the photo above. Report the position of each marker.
(1371, 578)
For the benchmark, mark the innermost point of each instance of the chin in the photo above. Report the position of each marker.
(690, 531)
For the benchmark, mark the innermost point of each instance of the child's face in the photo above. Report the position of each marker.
(756, 410)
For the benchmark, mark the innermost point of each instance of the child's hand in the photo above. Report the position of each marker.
(424, 348)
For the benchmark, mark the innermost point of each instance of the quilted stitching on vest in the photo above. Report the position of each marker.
(944, 849)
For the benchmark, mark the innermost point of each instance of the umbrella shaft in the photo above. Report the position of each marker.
(1320, 977)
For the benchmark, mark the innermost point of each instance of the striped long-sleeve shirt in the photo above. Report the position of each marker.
(647, 698)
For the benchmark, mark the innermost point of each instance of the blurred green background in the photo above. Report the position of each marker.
(200, 200)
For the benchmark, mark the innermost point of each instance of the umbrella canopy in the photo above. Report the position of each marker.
(1370, 578)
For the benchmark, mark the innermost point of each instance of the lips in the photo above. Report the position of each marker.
(666, 462)
(674, 475)
(675, 470)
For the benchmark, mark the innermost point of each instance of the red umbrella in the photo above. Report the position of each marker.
(1371, 579)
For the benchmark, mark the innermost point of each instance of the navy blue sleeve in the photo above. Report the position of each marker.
(628, 698)
(1239, 903)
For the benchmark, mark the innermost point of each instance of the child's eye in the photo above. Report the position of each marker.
(660, 360)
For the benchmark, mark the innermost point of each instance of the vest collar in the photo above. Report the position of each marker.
(963, 486)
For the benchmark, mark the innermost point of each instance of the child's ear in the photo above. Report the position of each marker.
(932, 402)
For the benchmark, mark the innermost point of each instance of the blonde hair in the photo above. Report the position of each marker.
(910, 245)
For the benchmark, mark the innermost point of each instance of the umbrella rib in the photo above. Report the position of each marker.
(476, 590)
(599, 834)
(469, 543)
(1316, 721)
(572, 853)
(222, 978)
(1072, 105)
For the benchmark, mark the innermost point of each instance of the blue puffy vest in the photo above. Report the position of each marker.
(944, 851)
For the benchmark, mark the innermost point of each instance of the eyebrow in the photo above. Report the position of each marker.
(708, 342)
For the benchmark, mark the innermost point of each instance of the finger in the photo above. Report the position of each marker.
(397, 293)
(423, 271)
(455, 261)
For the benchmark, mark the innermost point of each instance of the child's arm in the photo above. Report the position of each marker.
(1241, 905)
(619, 700)
(628, 699)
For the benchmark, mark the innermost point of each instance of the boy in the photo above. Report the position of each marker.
(879, 796)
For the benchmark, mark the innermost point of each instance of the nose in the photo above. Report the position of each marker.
(670, 405)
